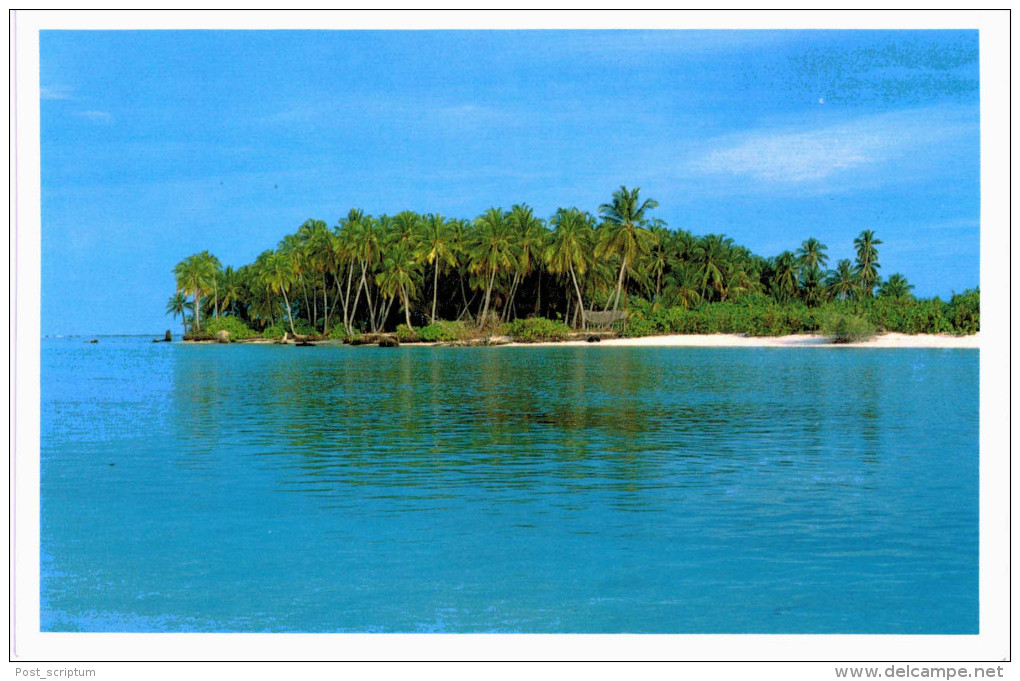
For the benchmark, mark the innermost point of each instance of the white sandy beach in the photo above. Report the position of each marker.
(728, 340)
(721, 340)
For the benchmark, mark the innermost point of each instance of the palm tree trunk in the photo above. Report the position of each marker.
(466, 310)
(435, 290)
(325, 306)
(407, 307)
(463, 297)
(198, 316)
(580, 301)
(289, 315)
(619, 286)
(510, 301)
(538, 297)
(385, 313)
(315, 309)
(304, 291)
(347, 298)
(368, 299)
(488, 294)
(216, 300)
(354, 308)
(339, 299)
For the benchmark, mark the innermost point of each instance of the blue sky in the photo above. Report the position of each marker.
(159, 144)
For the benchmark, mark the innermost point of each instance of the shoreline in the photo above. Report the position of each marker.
(727, 340)
(717, 340)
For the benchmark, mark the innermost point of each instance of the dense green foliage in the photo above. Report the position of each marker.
(754, 316)
(276, 331)
(535, 330)
(368, 274)
(407, 334)
(338, 333)
(847, 328)
(237, 329)
(442, 332)
(763, 316)
(965, 312)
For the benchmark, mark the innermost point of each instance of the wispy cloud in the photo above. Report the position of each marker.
(55, 92)
(98, 116)
(786, 156)
(962, 223)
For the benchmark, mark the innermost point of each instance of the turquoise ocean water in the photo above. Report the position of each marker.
(536, 490)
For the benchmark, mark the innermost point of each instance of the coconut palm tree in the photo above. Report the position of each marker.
(684, 286)
(366, 248)
(262, 305)
(195, 273)
(316, 256)
(896, 286)
(743, 274)
(812, 288)
(343, 244)
(660, 255)
(711, 255)
(462, 237)
(230, 287)
(403, 229)
(811, 255)
(569, 248)
(292, 248)
(491, 251)
(623, 232)
(785, 280)
(178, 305)
(437, 246)
(213, 269)
(398, 275)
(529, 240)
(867, 261)
(279, 275)
(843, 283)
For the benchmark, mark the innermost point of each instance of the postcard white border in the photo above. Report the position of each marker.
(991, 644)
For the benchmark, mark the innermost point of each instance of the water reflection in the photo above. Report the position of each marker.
(511, 489)
(554, 421)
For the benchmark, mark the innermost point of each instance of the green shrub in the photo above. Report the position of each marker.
(237, 329)
(442, 332)
(275, 331)
(907, 316)
(844, 328)
(407, 334)
(640, 326)
(536, 329)
(338, 333)
(754, 316)
(303, 328)
(965, 312)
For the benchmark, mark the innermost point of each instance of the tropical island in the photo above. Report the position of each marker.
(512, 276)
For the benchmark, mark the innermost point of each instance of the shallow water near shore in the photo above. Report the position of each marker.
(211, 488)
